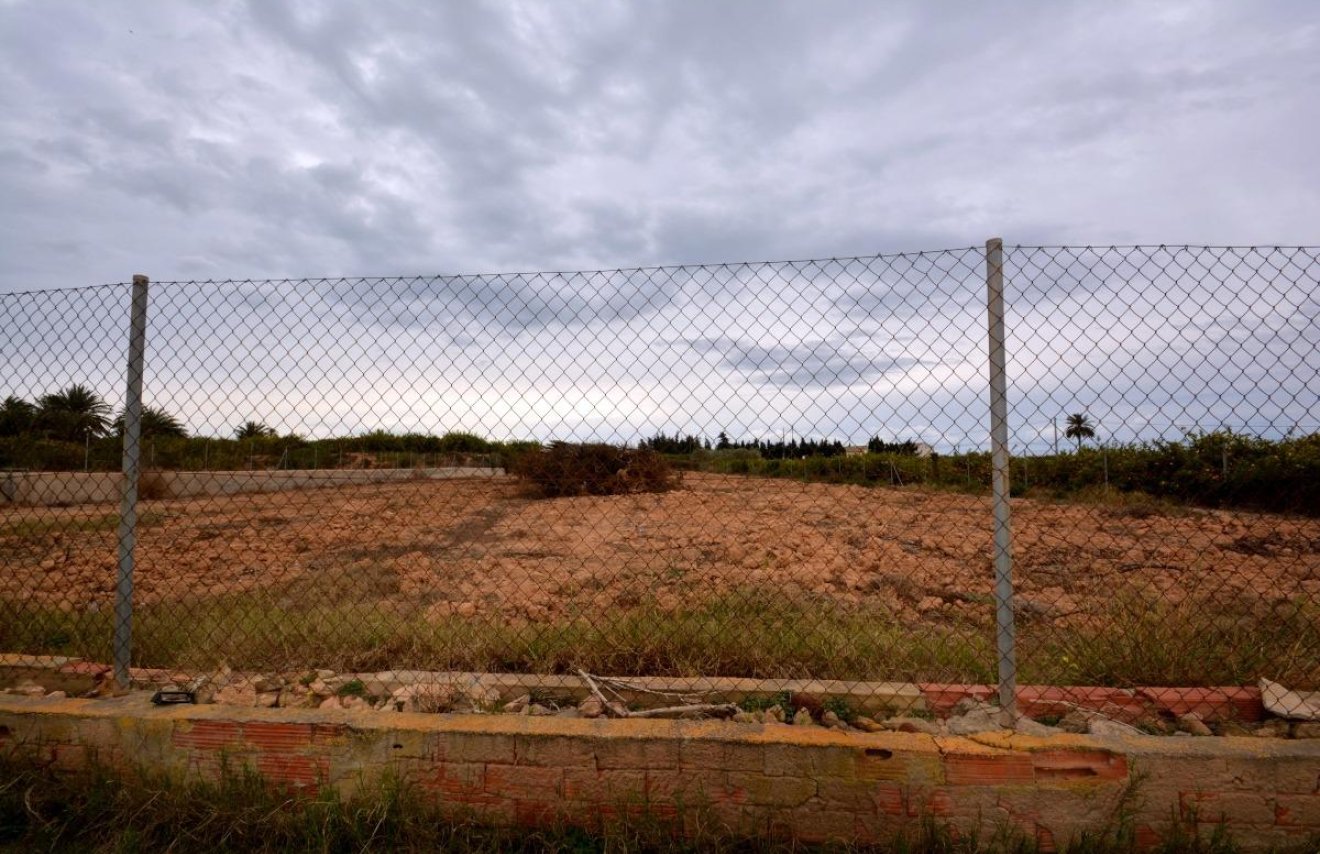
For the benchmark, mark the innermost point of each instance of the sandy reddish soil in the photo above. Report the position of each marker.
(482, 546)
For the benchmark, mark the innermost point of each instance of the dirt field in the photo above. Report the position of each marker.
(482, 547)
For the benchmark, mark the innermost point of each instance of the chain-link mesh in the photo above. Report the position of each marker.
(1166, 409)
(348, 483)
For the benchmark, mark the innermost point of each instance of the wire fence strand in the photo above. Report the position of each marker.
(773, 472)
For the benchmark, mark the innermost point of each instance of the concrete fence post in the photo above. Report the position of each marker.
(1005, 632)
(132, 467)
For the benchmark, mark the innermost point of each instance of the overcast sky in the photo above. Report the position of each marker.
(265, 140)
(271, 139)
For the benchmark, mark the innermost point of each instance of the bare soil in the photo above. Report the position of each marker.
(482, 546)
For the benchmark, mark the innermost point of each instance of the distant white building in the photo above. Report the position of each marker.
(923, 450)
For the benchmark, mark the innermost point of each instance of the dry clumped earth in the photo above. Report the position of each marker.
(482, 547)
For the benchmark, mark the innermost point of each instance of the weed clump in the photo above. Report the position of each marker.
(566, 470)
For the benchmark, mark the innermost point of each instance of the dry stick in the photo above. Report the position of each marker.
(693, 697)
(605, 704)
(668, 711)
(679, 711)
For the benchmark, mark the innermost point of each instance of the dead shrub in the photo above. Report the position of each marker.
(565, 470)
(152, 486)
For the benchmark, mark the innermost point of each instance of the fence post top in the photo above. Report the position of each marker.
(140, 279)
(994, 243)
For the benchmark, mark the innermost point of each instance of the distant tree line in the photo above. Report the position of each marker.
(77, 414)
(74, 429)
(792, 449)
(906, 448)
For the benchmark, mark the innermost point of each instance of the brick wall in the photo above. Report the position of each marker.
(813, 783)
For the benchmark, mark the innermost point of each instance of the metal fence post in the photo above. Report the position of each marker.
(1004, 628)
(137, 339)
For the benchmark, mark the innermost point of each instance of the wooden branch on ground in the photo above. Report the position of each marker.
(699, 709)
(688, 709)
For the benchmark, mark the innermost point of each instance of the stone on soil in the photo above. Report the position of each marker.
(921, 725)
(1192, 724)
(1106, 728)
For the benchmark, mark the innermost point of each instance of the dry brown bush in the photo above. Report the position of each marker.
(565, 469)
(152, 486)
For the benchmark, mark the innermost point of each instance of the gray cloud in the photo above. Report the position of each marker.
(817, 364)
(248, 139)
(254, 140)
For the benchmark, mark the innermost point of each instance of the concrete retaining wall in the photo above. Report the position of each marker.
(65, 488)
(808, 782)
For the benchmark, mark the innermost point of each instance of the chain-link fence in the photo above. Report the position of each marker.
(764, 477)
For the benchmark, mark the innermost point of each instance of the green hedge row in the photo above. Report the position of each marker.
(1220, 469)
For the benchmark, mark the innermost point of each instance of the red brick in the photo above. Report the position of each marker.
(308, 771)
(796, 760)
(1242, 704)
(587, 784)
(1231, 807)
(323, 733)
(86, 668)
(1298, 811)
(1118, 703)
(988, 769)
(1069, 765)
(277, 736)
(773, 791)
(1297, 776)
(941, 697)
(524, 782)
(712, 755)
(639, 754)
(891, 799)
(207, 735)
(938, 803)
(470, 747)
(457, 778)
(1147, 837)
(488, 805)
(68, 757)
(534, 813)
(555, 752)
(852, 795)
(814, 824)
(688, 787)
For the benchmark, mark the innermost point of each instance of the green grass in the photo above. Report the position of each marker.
(100, 810)
(143, 811)
(1152, 642)
(44, 523)
(738, 634)
(1138, 641)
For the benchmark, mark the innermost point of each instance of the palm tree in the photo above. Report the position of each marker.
(253, 430)
(1079, 428)
(74, 414)
(16, 416)
(155, 422)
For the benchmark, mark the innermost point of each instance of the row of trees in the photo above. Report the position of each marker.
(767, 449)
(1079, 427)
(77, 414)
